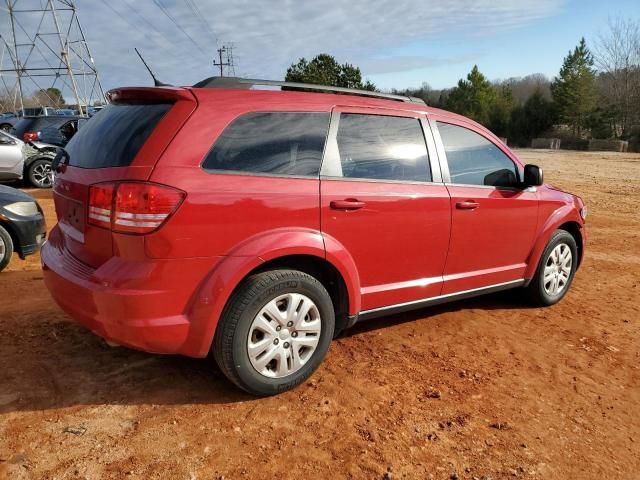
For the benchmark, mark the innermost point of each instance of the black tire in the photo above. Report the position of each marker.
(6, 127)
(230, 347)
(6, 248)
(536, 292)
(34, 173)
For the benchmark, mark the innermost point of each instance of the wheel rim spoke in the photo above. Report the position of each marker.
(284, 335)
(266, 357)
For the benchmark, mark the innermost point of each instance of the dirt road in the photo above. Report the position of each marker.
(485, 388)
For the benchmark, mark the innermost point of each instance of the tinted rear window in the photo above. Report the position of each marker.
(113, 137)
(278, 143)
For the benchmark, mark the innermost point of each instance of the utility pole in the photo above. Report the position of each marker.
(47, 49)
(227, 50)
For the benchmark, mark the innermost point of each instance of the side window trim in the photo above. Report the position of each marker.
(434, 155)
(331, 167)
(445, 162)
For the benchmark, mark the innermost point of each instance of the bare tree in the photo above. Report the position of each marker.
(617, 57)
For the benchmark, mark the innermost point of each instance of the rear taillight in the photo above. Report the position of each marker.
(30, 136)
(101, 204)
(132, 207)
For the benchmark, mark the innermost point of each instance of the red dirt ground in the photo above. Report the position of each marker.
(485, 388)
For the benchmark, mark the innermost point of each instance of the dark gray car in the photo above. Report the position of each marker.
(22, 225)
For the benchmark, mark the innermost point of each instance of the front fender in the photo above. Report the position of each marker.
(215, 290)
(564, 214)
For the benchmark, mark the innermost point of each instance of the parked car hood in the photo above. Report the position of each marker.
(11, 195)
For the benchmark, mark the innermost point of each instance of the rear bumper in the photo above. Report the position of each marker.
(138, 304)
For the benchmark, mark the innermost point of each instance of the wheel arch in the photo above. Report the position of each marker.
(565, 218)
(575, 230)
(38, 156)
(301, 249)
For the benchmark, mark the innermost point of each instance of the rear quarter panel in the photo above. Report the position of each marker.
(224, 210)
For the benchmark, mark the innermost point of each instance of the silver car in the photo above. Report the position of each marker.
(12, 152)
(18, 159)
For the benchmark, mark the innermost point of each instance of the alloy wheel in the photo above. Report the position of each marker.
(42, 175)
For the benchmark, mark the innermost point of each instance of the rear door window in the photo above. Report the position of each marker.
(276, 143)
(113, 137)
(382, 147)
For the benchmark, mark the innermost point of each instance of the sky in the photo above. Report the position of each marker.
(396, 43)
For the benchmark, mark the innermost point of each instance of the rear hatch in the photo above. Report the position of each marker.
(122, 142)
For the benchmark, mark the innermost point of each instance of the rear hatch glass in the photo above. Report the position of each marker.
(103, 150)
(113, 136)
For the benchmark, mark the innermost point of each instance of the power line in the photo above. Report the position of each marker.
(193, 6)
(164, 10)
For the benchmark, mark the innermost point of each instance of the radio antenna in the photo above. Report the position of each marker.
(156, 82)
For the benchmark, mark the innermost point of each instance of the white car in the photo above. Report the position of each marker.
(18, 159)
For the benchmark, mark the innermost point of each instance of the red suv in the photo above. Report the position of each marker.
(257, 224)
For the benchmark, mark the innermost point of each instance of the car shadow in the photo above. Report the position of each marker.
(47, 361)
(505, 300)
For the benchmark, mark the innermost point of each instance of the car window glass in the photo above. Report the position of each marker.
(114, 137)
(382, 147)
(474, 160)
(279, 143)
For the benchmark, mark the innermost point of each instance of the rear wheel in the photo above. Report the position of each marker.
(6, 127)
(39, 173)
(555, 271)
(6, 248)
(274, 332)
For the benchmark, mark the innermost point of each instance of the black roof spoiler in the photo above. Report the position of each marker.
(248, 83)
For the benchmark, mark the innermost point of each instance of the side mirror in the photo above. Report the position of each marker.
(533, 176)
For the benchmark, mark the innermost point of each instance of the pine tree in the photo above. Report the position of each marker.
(325, 70)
(473, 97)
(574, 91)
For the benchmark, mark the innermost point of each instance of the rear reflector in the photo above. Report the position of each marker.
(132, 207)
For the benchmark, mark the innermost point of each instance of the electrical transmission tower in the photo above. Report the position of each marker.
(42, 45)
(225, 59)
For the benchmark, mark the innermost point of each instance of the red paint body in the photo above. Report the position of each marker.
(165, 291)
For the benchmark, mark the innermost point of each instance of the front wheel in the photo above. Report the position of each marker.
(39, 173)
(555, 271)
(274, 332)
(6, 248)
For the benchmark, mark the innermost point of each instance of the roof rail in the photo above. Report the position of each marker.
(247, 83)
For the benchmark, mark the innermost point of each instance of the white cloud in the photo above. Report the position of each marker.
(270, 35)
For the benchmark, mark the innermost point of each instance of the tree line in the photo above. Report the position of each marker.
(595, 94)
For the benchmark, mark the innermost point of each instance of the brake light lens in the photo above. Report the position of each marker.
(101, 204)
(30, 136)
(132, 207)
